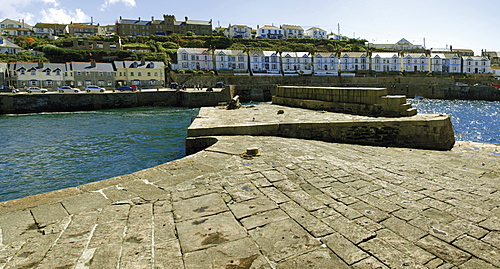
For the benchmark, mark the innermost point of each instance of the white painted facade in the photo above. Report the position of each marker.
(315, 32)
(238, 31)
(296, 62)
(386, 61)
(269, 31)
(415, 62)
(194, 58)
(476, 65)
(353, 61)
(235, 60)
(326, 64)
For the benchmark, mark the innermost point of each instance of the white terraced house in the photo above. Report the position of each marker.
(386, 61)
(354, 61)
(235, 60)
(476, 65)
(194, 58)
(325, 63)
(415, 62)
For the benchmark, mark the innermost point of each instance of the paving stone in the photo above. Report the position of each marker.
(344, 248)
(477, 263)
(438, 215)
(283, 239)
(369, 224)
(235, 254)
(243, 192)
(273, 175)
(321, 258)
(259, 180)
(168, 255)
(406, 246)
(275, 195)
(389, 255)
(346, 211)
(349, 228)
(32, 252)
(467, 227)
(105, 256)
(263, 218)
(443, 250)
(479, 249)
(406, 214)
(369, 262)
(287, 185)
(493, 238)
(250, 207)
(492, 223)
(305, 200)
(119, 194)
(404, 229)
(306, 220)
(108, 233)
(145, 190)
(198, 207)
(17, 225)
(85, 202)
(369, 211)
(440, 230)
(114, 213)
(208, 231)
(48, 214)
(164, 224)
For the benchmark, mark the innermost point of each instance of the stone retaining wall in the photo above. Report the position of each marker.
(56, 102)
(362, 101)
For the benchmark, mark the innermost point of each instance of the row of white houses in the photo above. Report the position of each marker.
(326, 63)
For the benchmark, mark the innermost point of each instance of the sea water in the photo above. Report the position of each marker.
(49, 151)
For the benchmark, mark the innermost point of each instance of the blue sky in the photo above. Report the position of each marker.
(459, 23)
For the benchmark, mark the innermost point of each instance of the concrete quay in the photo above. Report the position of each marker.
(297, 204)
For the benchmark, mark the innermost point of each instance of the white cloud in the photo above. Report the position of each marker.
(59, 15)
(107, 3)
(55, 3)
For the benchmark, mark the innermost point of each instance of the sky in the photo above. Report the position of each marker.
(462, 24)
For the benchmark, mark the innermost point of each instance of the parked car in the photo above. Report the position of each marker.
(64, 89)
(174, 85)
(36, 89)
(125, 88)
(461, 84)
(94, 88)
(219, 85)
(8, 89)
(496, 85)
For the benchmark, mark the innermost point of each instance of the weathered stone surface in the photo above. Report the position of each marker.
(283, 239)
(209, 231)
(299, 203)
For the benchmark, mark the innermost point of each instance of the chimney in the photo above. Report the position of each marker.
(92, 63)
(139, 18)
(152, 18)
(143, 61)
(40, 64)
(186, 18)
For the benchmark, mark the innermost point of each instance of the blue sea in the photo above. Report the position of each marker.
(477, 121)
(49, 151)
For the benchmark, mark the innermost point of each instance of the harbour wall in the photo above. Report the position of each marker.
(56, 102)
(261, 88)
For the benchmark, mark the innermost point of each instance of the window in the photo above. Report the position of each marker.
(132, 74)
(47, 72)
(33, 72)
(22, 72)
(87, 74)
(101, 74)
(149, 74)
(139, 74)
(58, 73)
(109, 74)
